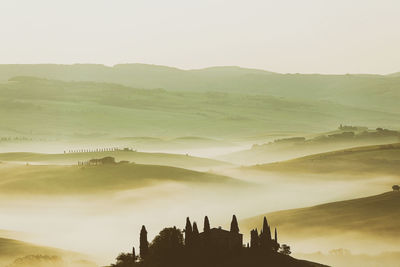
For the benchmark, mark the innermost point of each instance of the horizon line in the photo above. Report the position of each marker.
(204, 68)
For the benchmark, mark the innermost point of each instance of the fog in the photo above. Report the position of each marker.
(105, 224)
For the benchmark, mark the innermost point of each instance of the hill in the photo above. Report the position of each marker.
(26, 253)
(375, 216)
(174, 160)
(182, 143)
(298, 146)
(10, 248)
(378, 92)
(379, 159)
(52, 179)
(49, 110)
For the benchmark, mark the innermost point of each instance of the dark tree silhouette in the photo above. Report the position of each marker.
(285, 250)
(195, 229)
(266, 229)
(196, 236)
(234, 225)
(166, 247)
(144, 244)
(188, 233)
(275, 244)
(265, 235)
(254, 240)
(124, 260)
(206, 224)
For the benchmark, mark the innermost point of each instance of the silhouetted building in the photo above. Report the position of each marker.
(220, 239)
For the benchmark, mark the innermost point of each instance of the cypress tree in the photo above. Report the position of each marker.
(254, 241)
(266, 229)
(188, 232)
(195, 229)
(275, 245)
(234, 225)
(206, 225)
(196, 235)
(144, 244)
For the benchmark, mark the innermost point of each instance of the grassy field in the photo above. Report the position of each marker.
(376, 216)
(174, 160)
(379, 159)
(52, 179)
(56, 110)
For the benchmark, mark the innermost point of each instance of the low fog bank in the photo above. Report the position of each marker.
(105, 225)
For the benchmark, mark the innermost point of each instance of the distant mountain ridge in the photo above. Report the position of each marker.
(378, 92)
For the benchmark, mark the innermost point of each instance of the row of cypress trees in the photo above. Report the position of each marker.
(264, 240)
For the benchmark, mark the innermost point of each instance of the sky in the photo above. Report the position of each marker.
(288, 36)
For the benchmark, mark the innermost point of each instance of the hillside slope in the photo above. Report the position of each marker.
(375, 215)
(382, 159)
(28, 253)
(174, 160)
(51, 179)
(11, 248)
(298, 146)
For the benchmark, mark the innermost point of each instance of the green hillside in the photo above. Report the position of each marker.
(55, 110)
(298, 146)
(53, 179)
(379, 159)
(376, 216)
(174, 160)
(377, 91)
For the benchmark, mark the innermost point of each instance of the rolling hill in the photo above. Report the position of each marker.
(27, 254)
(378, 92)
(379, 159)
(376, 216)
(299, 146)
(39, 109)
(11, 248)
(52, 179)
(174, 160)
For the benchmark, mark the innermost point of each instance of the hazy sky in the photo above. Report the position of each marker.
(326, 36)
